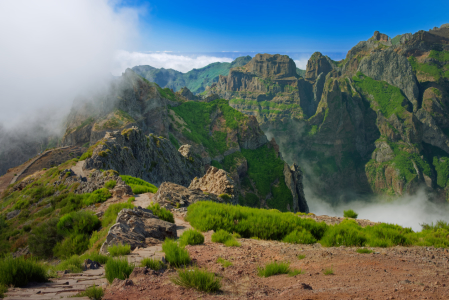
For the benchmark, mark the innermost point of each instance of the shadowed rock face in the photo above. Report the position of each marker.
(138, 227)
(151, 158)
(316, 65)
(272, 66)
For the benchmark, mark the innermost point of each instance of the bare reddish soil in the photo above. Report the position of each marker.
(389, 273)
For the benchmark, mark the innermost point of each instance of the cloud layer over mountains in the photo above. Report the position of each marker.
(52, 50)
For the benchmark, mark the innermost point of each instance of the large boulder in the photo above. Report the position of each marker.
(216, 181)
(138, 227)
(174, 195)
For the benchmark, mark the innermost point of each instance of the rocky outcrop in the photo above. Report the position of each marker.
(432, 134)
(216, 181)
(393, 68)
(294, 181)
(316, 65)
(271, 66)
(187, 94)
(216, 185)
(154, 159)
(172, 195)
(138, 227)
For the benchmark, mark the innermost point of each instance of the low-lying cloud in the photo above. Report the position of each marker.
(407, 211)
(52, 50)
(182, 63)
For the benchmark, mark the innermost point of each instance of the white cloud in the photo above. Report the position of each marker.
(301, 63)
(51, 50)
(125, 59)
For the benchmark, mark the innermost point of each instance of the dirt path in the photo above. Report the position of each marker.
(143, 200)
(78, 169)
(61, 288)
(388, 273)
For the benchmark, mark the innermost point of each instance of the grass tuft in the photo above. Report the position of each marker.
(225, 263)
(301, 256)
(93, 293)
(201, 280)
(295, 272)
(224, 237)
(161, 212)
(118, 268)
(274, 268)
(119, 250)
(364, 250)
(177, 256)
(191, 237)
(20, 271)
(329, 271)
(153, 264)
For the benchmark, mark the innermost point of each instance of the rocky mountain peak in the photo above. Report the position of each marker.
(381, 37)
(272, 66)
(317, 64)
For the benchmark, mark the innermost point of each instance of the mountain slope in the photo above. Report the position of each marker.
(375, 122)
(195, 80)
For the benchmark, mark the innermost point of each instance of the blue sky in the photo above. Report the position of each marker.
(277, 26)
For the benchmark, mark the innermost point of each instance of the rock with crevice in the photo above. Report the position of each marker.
(216, 181)
(138, 227)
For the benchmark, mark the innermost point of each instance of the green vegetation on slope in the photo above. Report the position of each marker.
(274, 225)
(139, 186)
(196, 80)
(389, 99)
(197, 116)
(267, 171)
(431, 69)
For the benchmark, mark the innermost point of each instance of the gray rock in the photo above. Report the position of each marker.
(12, 214)
(90, 265)
(293, 179)
(138, 227)
(151, 158)
(393, 68)
(383, 152)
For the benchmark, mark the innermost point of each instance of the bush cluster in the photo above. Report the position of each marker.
(20, 271)
(224, 237)
(176, 255)
(201, 280)
(161, 212)
(118, 268)
(153, 264)
(138, 185)
(274, 225)
(119, 250)
(191, 237)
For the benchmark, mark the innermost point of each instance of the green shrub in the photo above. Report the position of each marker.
(97, 196)
(299, 237)
(118, 268)
(3, 290)
(93, 293)
(118, 250)
(71, 245)
(174, 254)
(274, 268)
(329, 271)
(225, 197)
(131, 199)
(110, 215)
(191, 237)
(295, 272)
(161, 212)
(20, 271)
(110, 184)
(99, 258)
(364, 250)
(221, 236)
(232, 243)
(350, 214)
(225, 263)
(74, 264)
(347, 233)
(43, 238)
(301, 256)
(198, 279)
(153, 264)
(138, 185)
(80, 222)
(387, 235)
(250, 222)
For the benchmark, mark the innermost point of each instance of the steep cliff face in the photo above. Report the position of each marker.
(205, 132)
(154, 159)
(367, 124)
